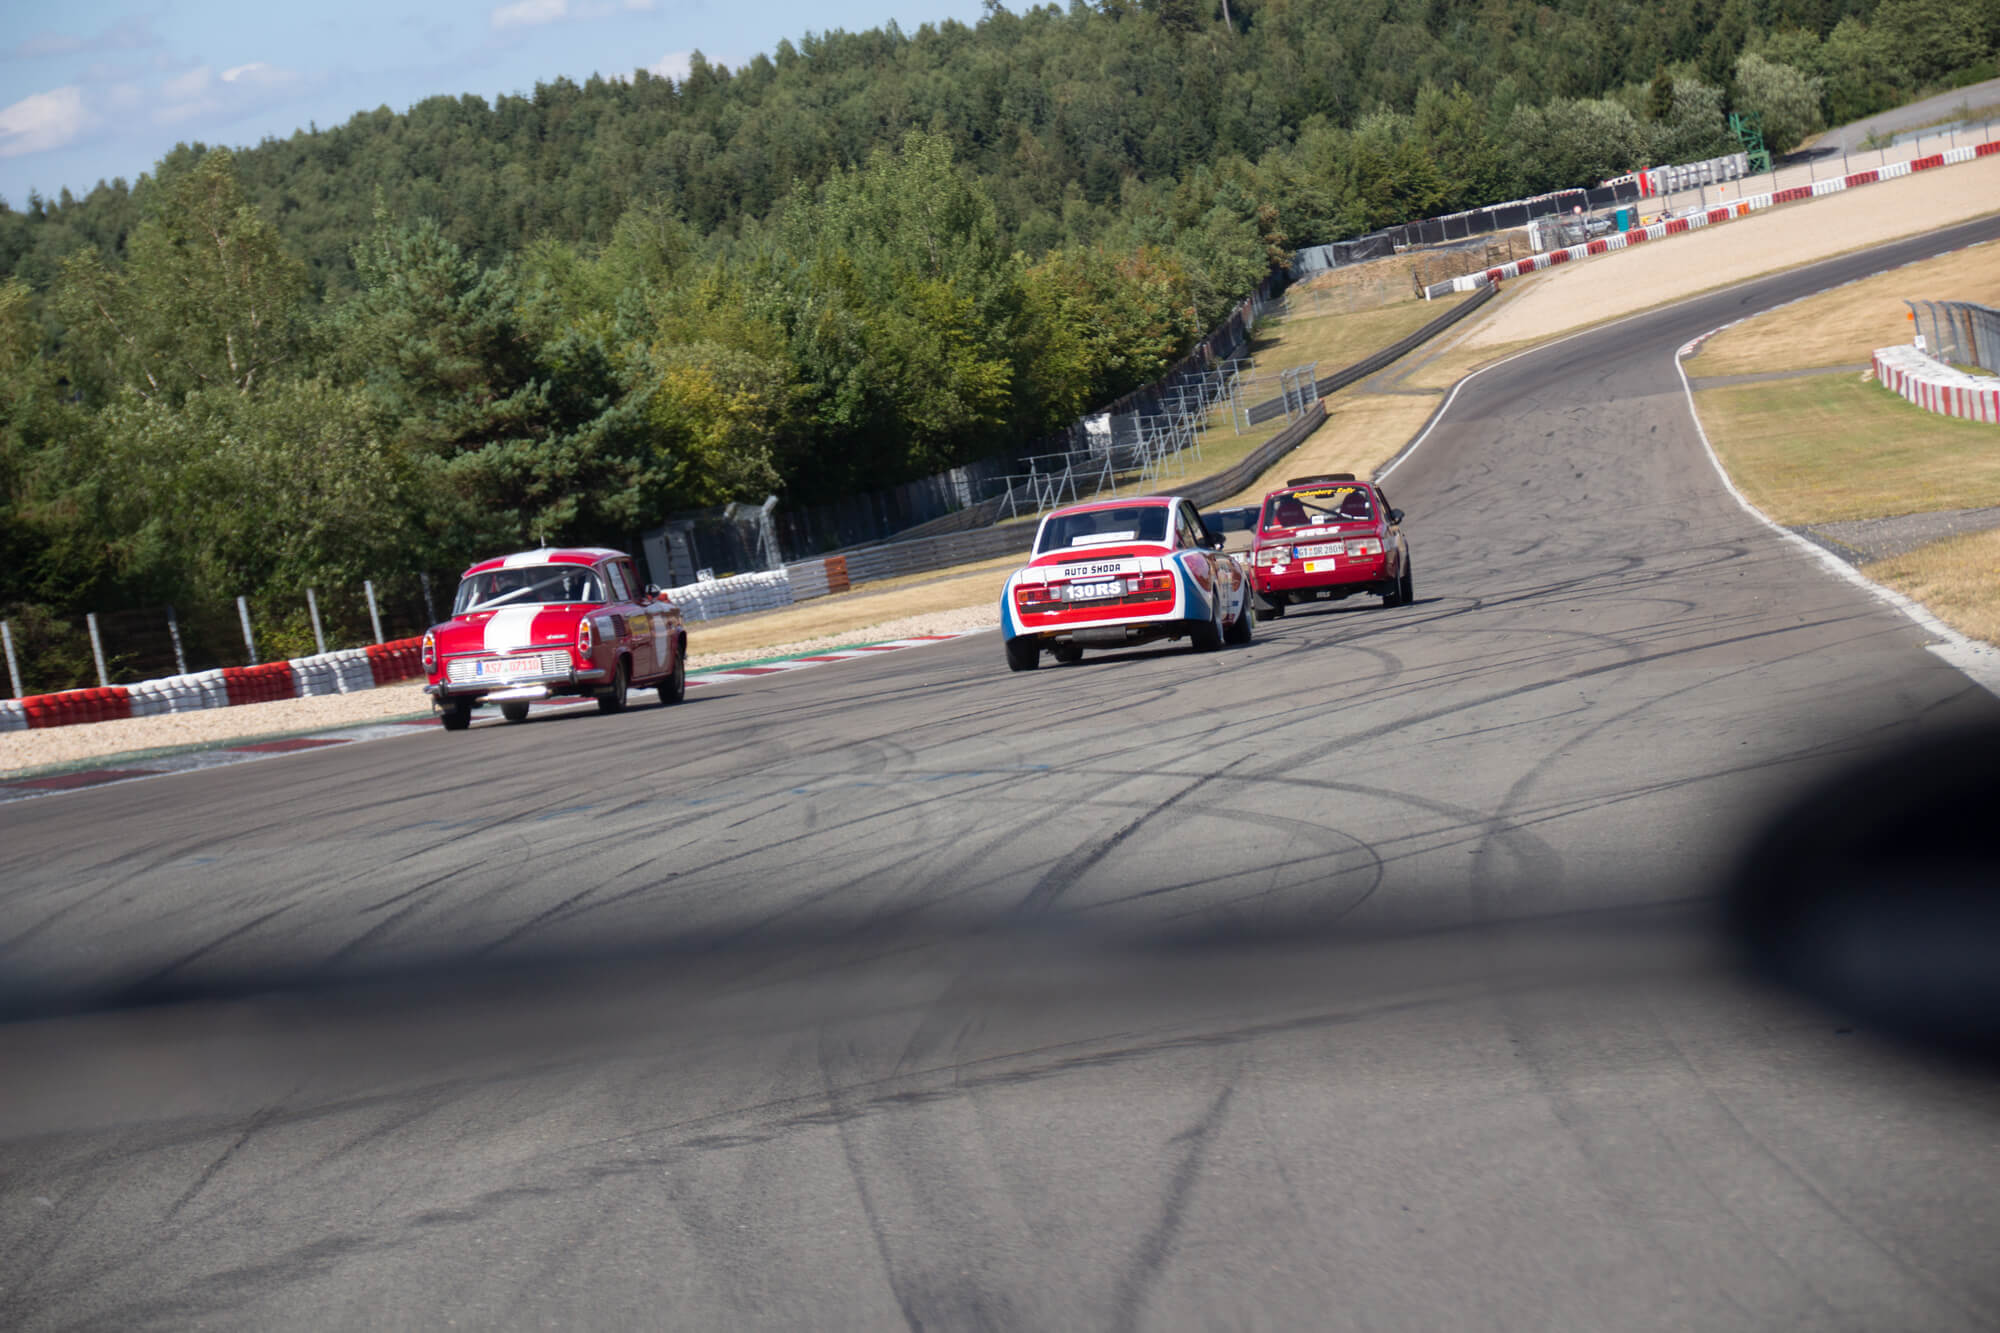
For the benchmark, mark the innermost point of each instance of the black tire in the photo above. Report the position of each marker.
(1067, 653)
(1405, 590)
(1243, 629)
(1023, 654)
(612, 699)
(515, 710)
(675, 688)
(1206, 635)
(1277, 611)
(456, 714)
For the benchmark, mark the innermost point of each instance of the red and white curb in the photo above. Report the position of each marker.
(129, 768)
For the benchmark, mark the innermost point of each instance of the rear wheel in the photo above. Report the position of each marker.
(612, 699)
(456, 714)
(1206, 635)
(1067, 653)
(1276, 611)
(1023, 654)
(1407, 590)
(676, 687)
(1243, 627)
(514, 712)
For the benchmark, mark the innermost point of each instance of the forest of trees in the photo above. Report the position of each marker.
(421, 337)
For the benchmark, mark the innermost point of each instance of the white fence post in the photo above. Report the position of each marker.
(13, 667)
(97, 650)
(174, 630)
(312, 609)
(374, 616)
(249, 639)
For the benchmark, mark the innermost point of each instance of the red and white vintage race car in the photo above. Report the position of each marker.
(538, 624)
(1329, 537)
(1118, 573)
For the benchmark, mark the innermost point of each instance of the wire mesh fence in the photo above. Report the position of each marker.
(120, 646)
(1961, 333)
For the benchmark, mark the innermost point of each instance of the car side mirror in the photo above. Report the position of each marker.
(1216, 541)
(1395, 516)
(652, 592)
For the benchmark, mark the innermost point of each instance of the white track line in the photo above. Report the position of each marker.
(1979, 661)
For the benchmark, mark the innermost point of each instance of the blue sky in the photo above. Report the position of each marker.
(96, 89)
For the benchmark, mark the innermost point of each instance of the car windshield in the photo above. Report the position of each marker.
(1104, 527)
(1322, 504)
(527, 585)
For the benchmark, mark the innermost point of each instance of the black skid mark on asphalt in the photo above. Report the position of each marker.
(1072, 867)
(1157, 1247)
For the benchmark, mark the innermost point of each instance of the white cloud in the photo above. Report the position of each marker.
(529, 13)
(674, 65)
(192, 84)
(232, 93)
(260, 74)
(44, 121)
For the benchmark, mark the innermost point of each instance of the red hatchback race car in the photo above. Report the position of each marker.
(1329, 537)
(538, 624)
(1119, 573)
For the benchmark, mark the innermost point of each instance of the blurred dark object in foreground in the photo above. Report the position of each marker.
(1876, 893)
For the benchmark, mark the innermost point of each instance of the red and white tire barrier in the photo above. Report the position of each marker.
(161, 763)
(1937, 387)
(1721, 213)
(346, 672)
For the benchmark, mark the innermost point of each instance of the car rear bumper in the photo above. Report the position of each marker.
(529, 687)
(1361, 576)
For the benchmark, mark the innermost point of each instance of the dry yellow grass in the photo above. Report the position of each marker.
(1845, 326)
(1958, 579)
(1830, 447)
(1336, 340)
(1362, 432)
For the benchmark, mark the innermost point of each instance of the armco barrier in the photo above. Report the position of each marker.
(1721, 213)
(344, 672)
(1937, 387)
(1227, 482)
(1388, 356)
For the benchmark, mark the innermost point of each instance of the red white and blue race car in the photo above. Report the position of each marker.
(550, 622)
(1118, 573)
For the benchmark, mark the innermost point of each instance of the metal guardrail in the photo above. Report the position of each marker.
(1960, 333)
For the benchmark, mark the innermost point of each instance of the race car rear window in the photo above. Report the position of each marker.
(1317, 504)
(527, 585)
(1104, 527)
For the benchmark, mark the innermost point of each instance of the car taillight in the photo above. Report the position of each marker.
(586, 638)
(1270, 555)
(430, 653)
(1153, 585)
(1365, 546)
(1036, 596)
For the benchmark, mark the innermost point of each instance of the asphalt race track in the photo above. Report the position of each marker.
(1360, 978)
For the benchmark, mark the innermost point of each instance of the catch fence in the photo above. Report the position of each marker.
(1960, 333)
(45, 654)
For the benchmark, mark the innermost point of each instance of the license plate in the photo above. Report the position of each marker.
(1097, 569)
(1315, 566)
(1081, 592)
(510, 666)
(1328, 548)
